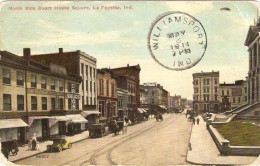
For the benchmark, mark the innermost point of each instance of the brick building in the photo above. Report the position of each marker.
(107, 93)
(128, 79)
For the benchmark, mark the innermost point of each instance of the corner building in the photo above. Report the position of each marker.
(35, 98)
(205, 97)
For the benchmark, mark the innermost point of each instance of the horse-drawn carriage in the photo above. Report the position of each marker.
(115, 126)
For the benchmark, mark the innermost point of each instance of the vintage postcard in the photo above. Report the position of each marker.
(129, 83)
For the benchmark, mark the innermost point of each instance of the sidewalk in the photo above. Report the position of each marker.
(204, 151)
(25, 153)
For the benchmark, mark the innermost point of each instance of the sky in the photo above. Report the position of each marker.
(119, 37)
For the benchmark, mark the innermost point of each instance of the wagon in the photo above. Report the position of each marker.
(98, 130)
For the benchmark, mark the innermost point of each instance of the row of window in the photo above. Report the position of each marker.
(109, 107)
(205, 90)
(88, 70)
(237, 100)
(90, 84)
(7, 77)
(131, 88)
(87, 101)
(43, 81)
(108, 85)
(206, 81)
(7, 103)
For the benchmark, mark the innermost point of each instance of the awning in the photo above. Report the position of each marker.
(140, 110)
(77, 118)
(87, 113)
(32, 118)
(144, 110)
(62, 118)
(12, 123)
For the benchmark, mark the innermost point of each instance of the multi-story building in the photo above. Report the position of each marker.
(82, 65)
(128, 79)
(184, 102)
(155, 94)
(165, 97)
(107, 93)
(206, 87)
(40, 95)
(122, 98)
(233, 95)
(143, 94)
(176, 101)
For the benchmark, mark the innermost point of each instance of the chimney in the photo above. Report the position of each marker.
(212, 71)
(60, 50)
(127, 65)
(27, 54)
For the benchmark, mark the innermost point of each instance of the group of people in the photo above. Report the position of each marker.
(196, 120)
(33, 144)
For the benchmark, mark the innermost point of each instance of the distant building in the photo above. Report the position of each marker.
(235, 94)
(206, 87)
(143, 94)
(128, 79)
(107, 93)
(165, 97)
(184, 102)
(154, 94)
(175, 101)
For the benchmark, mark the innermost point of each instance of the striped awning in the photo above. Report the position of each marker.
(77, 118)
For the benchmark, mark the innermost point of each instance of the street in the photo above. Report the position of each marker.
(147, 143)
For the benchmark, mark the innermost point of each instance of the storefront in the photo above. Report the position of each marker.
(12, 129)
(46, 126)
(76, 125)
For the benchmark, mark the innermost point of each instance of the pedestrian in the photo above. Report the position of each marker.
(198, 121)
(34, 142)
(194, 120)
(126, 121)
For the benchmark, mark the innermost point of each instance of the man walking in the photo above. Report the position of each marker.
(126, 121)
(198, 121)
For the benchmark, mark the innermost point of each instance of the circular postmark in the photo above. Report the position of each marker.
(177, 40)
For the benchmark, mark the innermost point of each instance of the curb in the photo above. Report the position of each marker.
(189, 147)
(43, 152)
